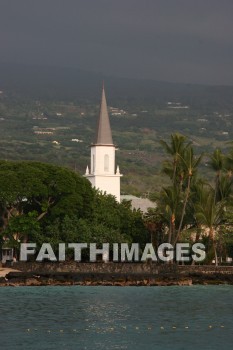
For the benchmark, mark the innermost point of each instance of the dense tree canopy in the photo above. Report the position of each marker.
(46, 203)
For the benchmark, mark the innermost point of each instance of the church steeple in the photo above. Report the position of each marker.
(104, 133)
(103, 174)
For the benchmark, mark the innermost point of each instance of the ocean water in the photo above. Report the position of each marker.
(76, 317)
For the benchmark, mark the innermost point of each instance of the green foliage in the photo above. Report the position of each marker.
(45, 203)
(190, 206)
(33, 194)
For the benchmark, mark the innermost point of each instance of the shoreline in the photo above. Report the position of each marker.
(5, 270)
(42, 278)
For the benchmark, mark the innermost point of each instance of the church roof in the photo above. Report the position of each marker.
(104, 133)
(139, 203)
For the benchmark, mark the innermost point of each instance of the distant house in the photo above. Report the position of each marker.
(7, 254)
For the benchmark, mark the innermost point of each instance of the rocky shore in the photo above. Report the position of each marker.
(179, 278)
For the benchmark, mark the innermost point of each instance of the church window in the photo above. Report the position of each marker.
(93, 165)
(106, 162)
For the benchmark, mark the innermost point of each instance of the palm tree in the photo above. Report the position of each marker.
(175, 149)
(217, 164)
(228, 164)
(170, 204)
(156, 225)
(210, 214)
(189, 164)
(225, 185)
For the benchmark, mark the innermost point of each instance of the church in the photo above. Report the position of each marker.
(103, 173)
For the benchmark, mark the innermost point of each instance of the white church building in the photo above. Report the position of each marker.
(103, 173)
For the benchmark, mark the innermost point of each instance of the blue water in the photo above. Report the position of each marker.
(174, 318)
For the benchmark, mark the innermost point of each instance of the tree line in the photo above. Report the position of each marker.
(46, 203)
(193, 208)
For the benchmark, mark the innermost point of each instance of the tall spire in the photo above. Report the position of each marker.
(104, 133)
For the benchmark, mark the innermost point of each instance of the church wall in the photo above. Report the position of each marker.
(100, 164)
(108, 184)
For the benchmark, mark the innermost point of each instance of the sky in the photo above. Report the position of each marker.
(188, 41)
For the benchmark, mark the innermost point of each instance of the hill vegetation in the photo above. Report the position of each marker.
(49, 114)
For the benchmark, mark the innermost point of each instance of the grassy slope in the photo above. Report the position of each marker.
(148, 119)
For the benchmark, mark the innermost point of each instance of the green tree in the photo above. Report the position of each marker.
(190, 164)
(175, 149)
(211, 215)
(217, 164)
(35, 192)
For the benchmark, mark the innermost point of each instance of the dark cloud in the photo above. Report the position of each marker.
(173, 40)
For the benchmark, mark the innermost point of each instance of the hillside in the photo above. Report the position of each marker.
(49, 114)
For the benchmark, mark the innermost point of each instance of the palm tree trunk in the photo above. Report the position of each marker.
(170, 232)
(183, 210)
(216, 187)
(174, 171)
(214, 245)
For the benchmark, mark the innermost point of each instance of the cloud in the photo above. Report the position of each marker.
(175, 40)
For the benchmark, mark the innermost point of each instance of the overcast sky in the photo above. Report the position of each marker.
(172, 40)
